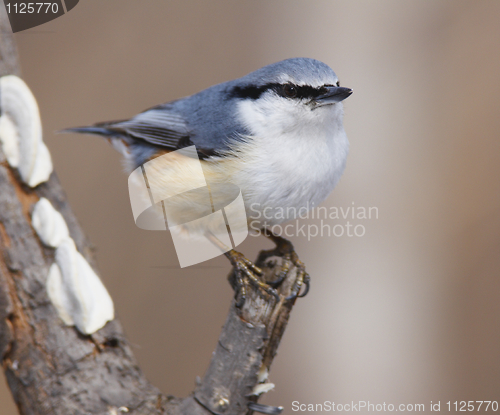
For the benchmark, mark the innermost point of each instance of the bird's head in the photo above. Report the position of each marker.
(298, 93)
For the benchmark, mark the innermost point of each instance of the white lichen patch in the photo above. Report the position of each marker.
(9, 140)
(76, 291)
(73, 287)
(262, 388)
(57, 295)
(49, 224)
(42, 168)
(115, 411)
(263, 374)
(21, 132)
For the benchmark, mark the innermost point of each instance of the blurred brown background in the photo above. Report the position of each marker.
(409, 312)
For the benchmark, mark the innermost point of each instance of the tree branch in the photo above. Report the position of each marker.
(53, 368)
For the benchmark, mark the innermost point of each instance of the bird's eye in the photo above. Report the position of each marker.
(290, 90)
(338, 83)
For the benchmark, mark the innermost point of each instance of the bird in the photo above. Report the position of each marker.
(277, 133)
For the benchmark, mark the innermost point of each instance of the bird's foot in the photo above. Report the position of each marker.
(246, 273)
(285, 250)
(301, 280)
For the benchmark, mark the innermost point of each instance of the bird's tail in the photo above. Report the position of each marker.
(106, 129)
(134, 152)
(90, 130)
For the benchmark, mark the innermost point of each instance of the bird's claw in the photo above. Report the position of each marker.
(245, 272)
(302, 277)
(285, 250)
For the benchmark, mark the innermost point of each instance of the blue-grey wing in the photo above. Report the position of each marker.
(157, 126)
(206, 119)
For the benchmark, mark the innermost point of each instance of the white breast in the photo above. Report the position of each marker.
(292, 163)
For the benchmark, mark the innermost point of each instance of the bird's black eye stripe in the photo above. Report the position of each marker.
(300, 91)
(248, 91)
(287, 90)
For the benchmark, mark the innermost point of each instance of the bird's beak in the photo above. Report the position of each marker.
(332, 95)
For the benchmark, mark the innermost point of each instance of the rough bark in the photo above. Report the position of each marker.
(53, 369)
